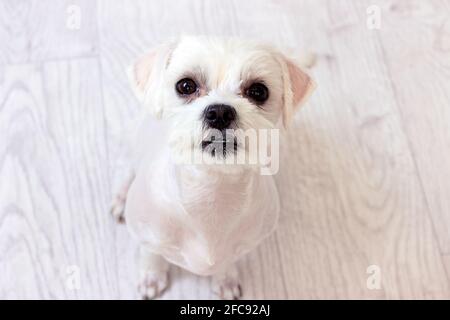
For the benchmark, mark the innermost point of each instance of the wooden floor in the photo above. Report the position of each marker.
(366, 181)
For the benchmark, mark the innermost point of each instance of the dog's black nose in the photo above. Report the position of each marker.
(219, 116)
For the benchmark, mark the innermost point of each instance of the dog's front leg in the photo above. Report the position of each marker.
(120, 198)
(153, 273)
(226, 284)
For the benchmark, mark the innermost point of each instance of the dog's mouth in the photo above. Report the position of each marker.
(216, 147)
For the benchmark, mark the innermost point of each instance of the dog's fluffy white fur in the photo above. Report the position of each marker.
(197, 216)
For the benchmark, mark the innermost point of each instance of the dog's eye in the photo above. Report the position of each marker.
(257, 92)
(186, 86)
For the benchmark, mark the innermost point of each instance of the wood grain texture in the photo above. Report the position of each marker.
(54, 190)
(34, 30)
(419, 69)
(363, 171)
(363, 155)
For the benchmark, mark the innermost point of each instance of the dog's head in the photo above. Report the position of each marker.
(205, 88)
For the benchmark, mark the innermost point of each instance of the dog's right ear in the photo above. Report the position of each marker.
(147, 74)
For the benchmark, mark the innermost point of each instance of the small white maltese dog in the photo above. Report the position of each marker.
(188, 200)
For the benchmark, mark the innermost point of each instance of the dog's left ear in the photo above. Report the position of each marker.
(146, 76)
(298, 86)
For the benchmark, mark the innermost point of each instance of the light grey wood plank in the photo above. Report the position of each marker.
(36, 30)
(355, 199)
(54, 190)
(416, 45)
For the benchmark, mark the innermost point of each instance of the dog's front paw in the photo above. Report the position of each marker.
(227, 288)
(118, 209)
(153, 285)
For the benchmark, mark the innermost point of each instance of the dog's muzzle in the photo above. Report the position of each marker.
(220, 146)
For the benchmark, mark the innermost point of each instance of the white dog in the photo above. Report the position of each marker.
(203, 216)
